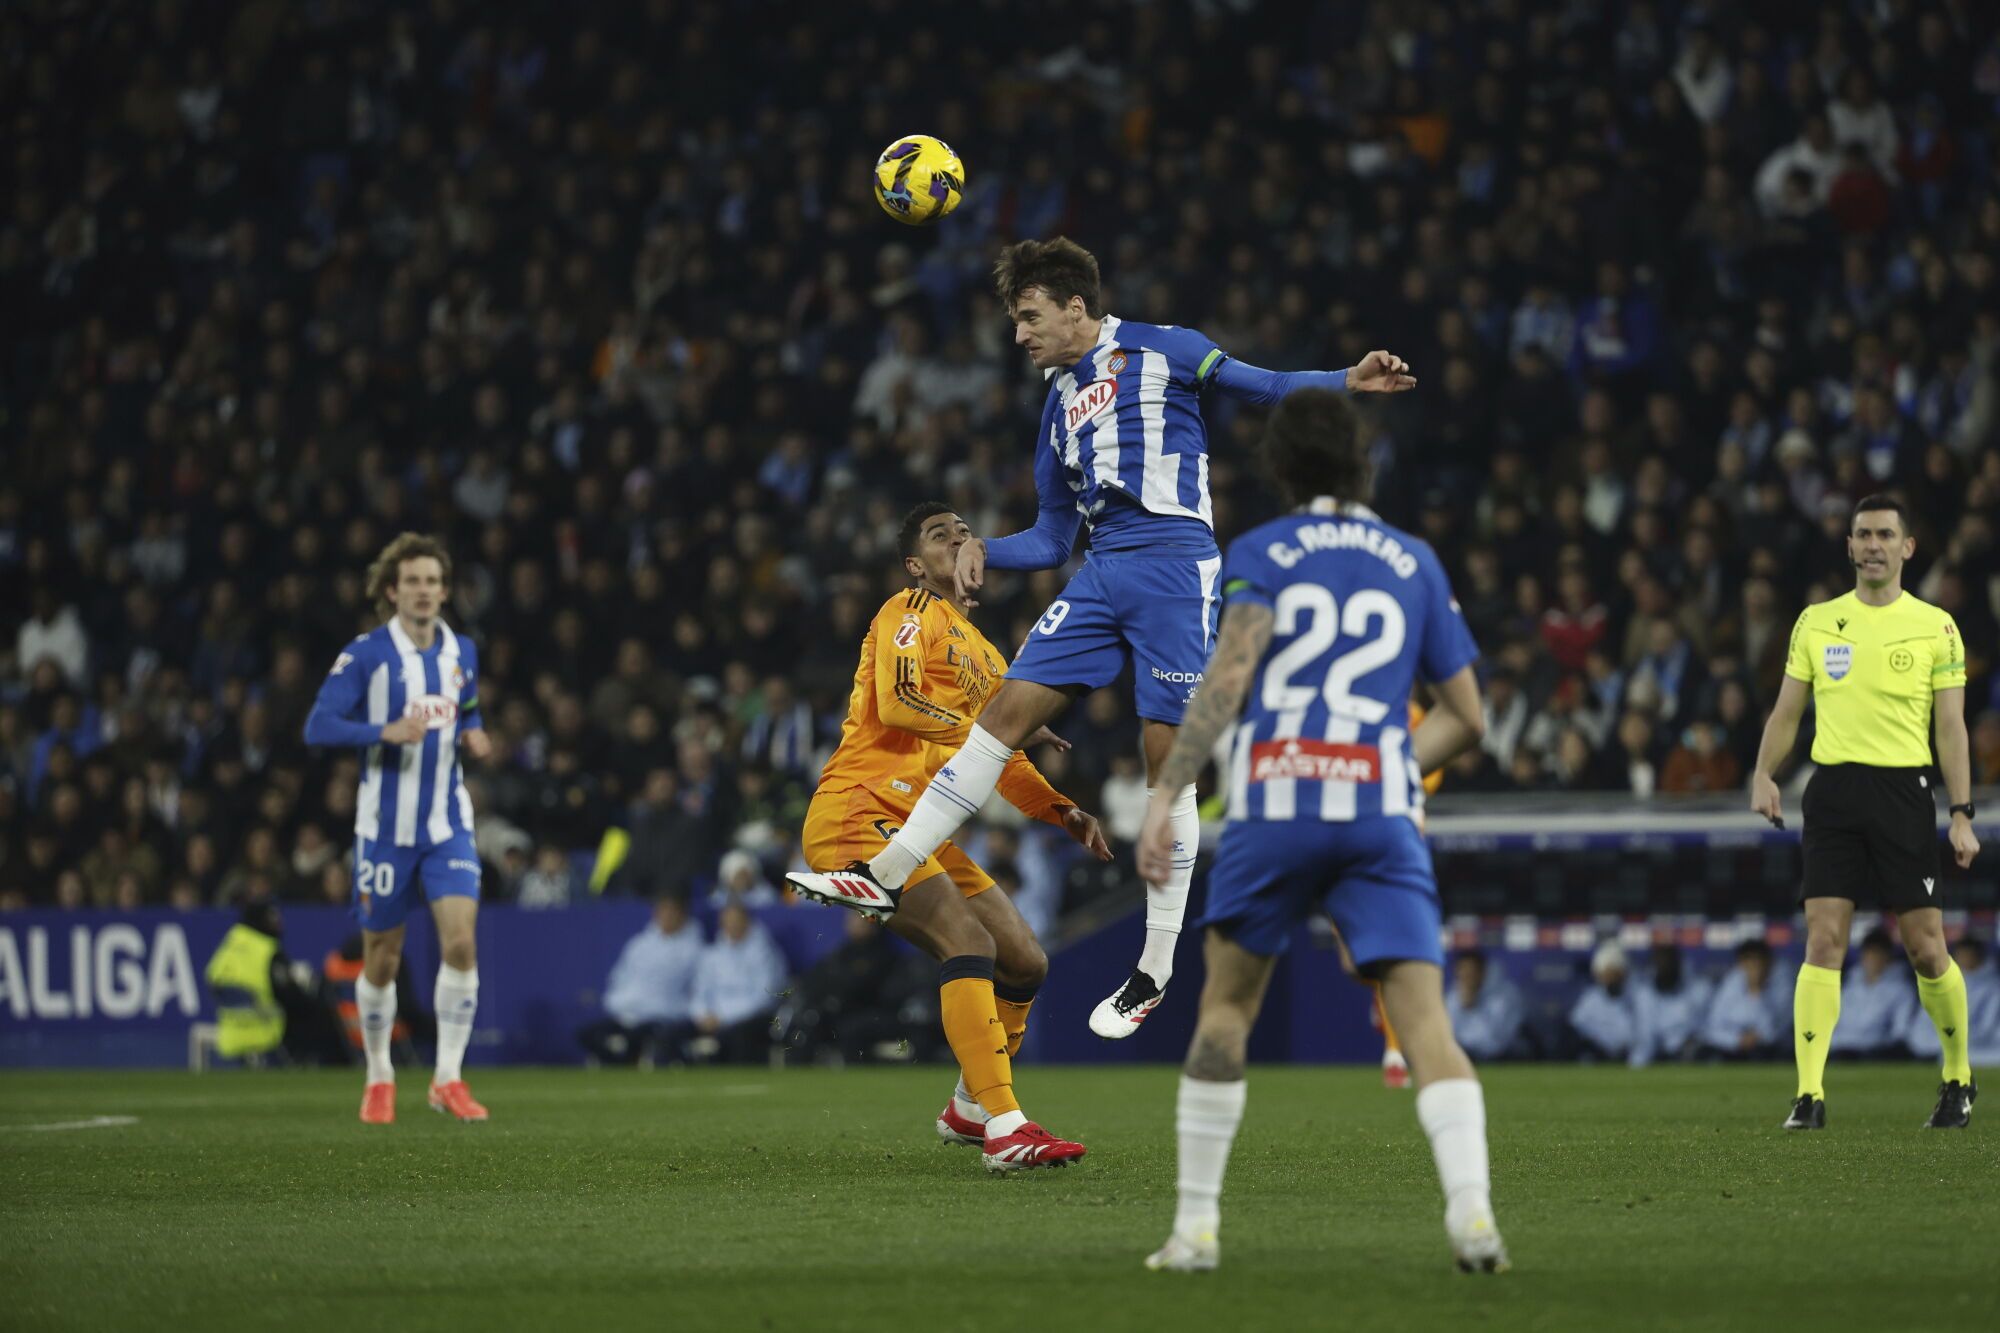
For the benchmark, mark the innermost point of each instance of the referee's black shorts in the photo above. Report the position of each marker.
(1871, 836)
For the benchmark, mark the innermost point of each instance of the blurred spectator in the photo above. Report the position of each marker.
(740, 879)
(1752, 1009)
(737, 983)
(1604, 1021)
(649, 996)
(1877, 1003)
(666, 841)
(1486, 1009)
(1122, 801)
(1671, 1006)
(1700, 763)
(872, 998)
(548, 883)
(53, 632)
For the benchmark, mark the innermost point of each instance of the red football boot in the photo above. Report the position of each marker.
(1030, 1146)
(378, 1104)
(955, 1128)
(455, 1098)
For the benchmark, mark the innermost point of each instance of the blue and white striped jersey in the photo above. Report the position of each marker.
(1122, 445)
(410, 795)
(1126, 421)
(1363, 611)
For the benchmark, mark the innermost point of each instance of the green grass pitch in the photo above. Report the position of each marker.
(748, 1199)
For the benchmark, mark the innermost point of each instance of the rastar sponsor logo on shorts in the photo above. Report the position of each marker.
(1314, 761)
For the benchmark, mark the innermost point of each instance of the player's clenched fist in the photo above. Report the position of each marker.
(404, 731)
(970, 573)
(1380, 372)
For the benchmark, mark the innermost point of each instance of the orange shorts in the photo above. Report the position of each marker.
(846, 826)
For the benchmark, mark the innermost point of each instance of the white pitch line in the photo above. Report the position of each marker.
(95, 1122)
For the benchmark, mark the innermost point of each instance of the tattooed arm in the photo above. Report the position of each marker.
(1218, 702)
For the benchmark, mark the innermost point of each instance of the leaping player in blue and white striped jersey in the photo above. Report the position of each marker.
(1123, 449)
(407, 695)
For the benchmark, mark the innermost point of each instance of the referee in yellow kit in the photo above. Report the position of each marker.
(1879, 665)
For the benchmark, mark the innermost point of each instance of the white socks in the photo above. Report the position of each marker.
(455, 1000)
(966, 1105)
(377, 1006)
(1453, 1113)
(1166, 903)
(953, 796)
(1000, 1126)
(1206, 1116)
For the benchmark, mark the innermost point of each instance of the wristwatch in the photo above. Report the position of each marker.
(1967, 809)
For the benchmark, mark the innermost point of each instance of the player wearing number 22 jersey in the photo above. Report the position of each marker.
(1324, 791)
(1330, 618)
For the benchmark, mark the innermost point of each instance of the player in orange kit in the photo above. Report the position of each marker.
(925, 673)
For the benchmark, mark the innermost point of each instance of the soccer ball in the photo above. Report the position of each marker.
(918, 179)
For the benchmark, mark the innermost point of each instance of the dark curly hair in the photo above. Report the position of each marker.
(1313, 446)
(1061, 267)
(911, 535)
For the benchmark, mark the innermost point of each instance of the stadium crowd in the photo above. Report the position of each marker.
(597, 293)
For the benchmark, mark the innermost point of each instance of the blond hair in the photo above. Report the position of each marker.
(388, 566)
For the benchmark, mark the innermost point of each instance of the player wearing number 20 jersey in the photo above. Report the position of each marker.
(406, 695)
(1324, 791)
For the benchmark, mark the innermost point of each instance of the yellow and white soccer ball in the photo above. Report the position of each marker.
(918, 179)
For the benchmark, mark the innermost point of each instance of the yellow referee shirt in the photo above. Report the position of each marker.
(1873, 670)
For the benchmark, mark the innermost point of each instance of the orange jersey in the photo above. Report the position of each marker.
(925, 674)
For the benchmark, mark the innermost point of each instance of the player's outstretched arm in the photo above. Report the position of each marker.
(1378, 372)
(1024, 787)
(1217, 703)
(1781, 729)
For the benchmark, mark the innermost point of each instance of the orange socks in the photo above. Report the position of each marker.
(1013, 1004)
(972, 1026)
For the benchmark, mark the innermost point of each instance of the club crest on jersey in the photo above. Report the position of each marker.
(1314, 761)
(1115, 362)
(458, 680)
(1839, 660)
(436, 710)
(1089, 401)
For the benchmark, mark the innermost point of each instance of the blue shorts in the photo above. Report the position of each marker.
(1156, 611)
(386, 876)
(1373, 877)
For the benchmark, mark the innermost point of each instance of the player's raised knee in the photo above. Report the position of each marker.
(1024, 964)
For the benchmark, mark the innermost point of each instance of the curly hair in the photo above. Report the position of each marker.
(388, 566)
(1061, 267)
(910, 536)
(1313, 446)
